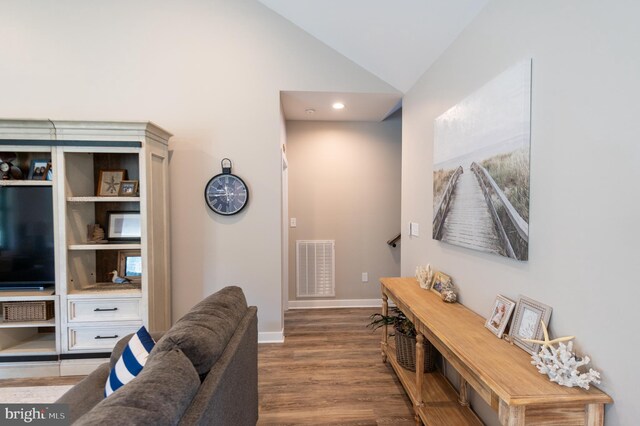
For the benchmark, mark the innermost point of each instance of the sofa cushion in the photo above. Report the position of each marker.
(202, 334)
(134, 357)
(158, 396)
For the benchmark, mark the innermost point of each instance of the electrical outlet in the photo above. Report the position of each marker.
(365, 277)
(293, 222)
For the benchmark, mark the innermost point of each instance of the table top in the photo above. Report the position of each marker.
(504, 368)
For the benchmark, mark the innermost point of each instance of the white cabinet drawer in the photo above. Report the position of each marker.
(101, 338)
(85, 310)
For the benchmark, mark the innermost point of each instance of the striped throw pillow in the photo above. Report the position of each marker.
(133, 358)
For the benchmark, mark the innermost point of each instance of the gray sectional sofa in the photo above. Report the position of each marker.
(203, 371)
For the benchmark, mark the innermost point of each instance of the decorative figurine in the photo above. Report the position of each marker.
(95, 234)
(118, 280)
(449, 296)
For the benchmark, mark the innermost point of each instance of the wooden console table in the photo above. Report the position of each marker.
(499, 372)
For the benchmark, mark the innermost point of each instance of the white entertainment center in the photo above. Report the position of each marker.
(90, 312)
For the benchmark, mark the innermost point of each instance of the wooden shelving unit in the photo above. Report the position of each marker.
(79, 152)
(500, 373)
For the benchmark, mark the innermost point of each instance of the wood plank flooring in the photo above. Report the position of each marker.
(328, 372)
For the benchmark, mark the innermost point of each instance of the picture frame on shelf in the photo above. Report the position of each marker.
(500, 315)
(130, 265)
(440, 283)
(128, 188)
(527, 323)
(109, 182)
(123, 226)
(39, 169)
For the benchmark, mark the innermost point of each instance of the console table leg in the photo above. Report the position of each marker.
(594, 415)
(463, 398)
(510, 415)
(385, 332)
(419, 368)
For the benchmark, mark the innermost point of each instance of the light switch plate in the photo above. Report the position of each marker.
(414, 229)
(365, 277)
(293, 222)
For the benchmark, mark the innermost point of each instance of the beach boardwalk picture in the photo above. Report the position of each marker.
(481, 167)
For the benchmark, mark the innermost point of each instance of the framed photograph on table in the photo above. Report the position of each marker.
(440, 283)
(123, 226)
(109, 182)
(500, 315)
(39, 169)
(130, 265)
(527, 325)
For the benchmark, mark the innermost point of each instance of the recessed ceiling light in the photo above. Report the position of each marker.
(338, 105)
(309, 110)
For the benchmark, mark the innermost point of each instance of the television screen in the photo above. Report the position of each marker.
(26, 236)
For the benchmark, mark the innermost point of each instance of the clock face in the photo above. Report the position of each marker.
(226, 194)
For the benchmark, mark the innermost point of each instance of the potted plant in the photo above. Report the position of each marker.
(405, 339)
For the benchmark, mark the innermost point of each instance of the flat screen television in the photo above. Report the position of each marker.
(26, 237)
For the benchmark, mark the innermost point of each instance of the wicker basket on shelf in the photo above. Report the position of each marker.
(28, 311)
(406, 352)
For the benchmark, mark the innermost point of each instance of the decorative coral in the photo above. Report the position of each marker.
(424, 275)
(562, 366)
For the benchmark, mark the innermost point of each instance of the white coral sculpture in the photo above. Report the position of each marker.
(424, 275)
(562, 366)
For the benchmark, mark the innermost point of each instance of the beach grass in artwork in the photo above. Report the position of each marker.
(440, 180)
(511, 173)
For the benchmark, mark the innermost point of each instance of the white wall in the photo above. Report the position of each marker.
(583, 258)
(208, 71)
(344, 185)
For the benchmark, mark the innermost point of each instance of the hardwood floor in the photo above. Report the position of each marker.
(329, 371)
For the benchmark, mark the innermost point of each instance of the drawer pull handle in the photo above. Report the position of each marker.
(104, 309)
(107, 337)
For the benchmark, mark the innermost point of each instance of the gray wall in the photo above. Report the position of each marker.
(583, 258)
(208, 71)
(344, 185)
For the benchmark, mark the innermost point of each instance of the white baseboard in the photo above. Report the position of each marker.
(80, 367)
(342, 303)
(271, 337)
(18, 370)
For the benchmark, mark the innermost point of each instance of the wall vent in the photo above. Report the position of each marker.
(315, 268)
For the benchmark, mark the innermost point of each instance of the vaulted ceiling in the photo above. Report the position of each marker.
(394, 40)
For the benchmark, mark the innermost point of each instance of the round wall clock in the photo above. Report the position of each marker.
(226, 193)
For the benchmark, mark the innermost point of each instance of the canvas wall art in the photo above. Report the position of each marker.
(481, 167)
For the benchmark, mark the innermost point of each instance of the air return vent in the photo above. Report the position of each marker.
(315, 268)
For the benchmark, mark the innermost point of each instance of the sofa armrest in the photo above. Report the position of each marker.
(86, 394)
(229, 393)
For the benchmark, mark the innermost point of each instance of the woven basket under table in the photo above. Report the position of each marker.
(28, 311)
(406, 352)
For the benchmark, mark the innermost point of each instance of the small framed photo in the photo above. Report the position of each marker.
(123, 226)
(109, 182)
(441, 282)
(128, 188)
(500, 314)
(39, 169)
(526, 323)
(130, 265)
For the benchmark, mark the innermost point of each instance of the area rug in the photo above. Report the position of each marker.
(32, 394)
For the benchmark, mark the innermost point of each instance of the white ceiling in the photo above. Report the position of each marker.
(394, 40)
(358, 106)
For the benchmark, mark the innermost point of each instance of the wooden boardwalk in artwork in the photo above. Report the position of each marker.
(468, 222)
